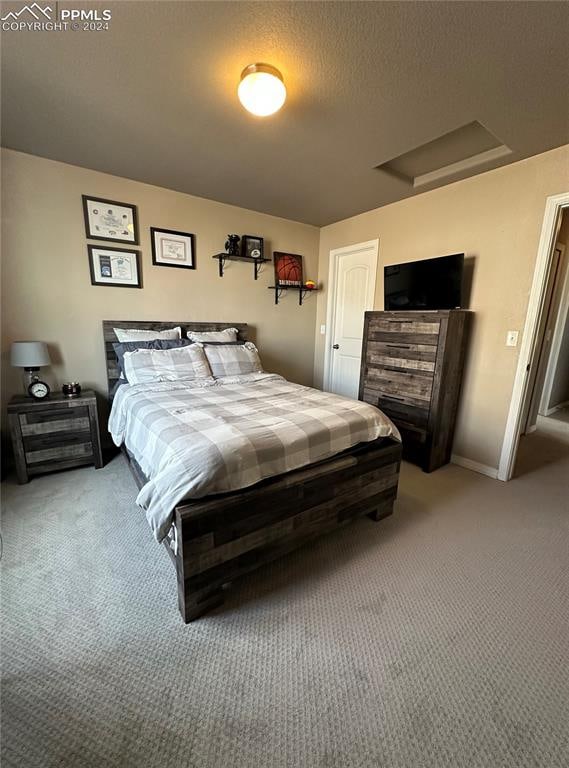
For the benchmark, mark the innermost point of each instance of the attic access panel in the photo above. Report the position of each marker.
(468, 147)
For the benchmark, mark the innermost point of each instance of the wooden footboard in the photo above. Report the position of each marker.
(222, 537)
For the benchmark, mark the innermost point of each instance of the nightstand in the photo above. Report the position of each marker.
(57, 433)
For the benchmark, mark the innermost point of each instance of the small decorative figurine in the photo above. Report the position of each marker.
(232, 245)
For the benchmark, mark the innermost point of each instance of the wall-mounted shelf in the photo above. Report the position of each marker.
(223, 257)
(302, 291)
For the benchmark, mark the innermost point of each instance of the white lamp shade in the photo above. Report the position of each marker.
(29, 354)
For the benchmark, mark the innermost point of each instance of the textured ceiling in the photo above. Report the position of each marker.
(154, 98)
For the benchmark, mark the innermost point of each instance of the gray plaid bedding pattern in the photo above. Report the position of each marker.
(193, 439)
(233, 360)
(144, 366)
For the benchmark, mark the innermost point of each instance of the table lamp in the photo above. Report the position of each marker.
(29, 355)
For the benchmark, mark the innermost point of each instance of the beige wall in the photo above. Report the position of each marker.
(495, 218)
(47, 292)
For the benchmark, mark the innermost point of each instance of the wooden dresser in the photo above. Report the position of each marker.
(411, 369)
(56, 433)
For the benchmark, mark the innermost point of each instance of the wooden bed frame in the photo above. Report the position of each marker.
(217, 539)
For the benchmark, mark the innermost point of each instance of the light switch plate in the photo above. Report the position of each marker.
(323, 330)
(512, 339)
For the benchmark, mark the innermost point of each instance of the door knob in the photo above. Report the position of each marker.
(335, 346)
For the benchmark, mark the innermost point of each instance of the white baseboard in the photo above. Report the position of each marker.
(475, 466)
(531, 429)
(554, 427)
(555, 408)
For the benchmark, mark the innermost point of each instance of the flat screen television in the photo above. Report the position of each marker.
(428, 284)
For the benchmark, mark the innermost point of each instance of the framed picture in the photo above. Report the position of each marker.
(288, 268)
(172, 249)
(109, 220)
(252, 246)
(117, 267)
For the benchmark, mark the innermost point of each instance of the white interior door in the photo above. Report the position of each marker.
(352, 282)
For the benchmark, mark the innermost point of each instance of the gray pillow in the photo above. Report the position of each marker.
(130, 346)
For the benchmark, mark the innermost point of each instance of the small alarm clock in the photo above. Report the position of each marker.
(38, 390)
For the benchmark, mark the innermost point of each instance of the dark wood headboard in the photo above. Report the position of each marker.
(150, 325)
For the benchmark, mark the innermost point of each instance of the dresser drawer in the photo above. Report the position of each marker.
(410, 420)
(402, 412)
(404, 331)
(402, 385)
(398, 355)
(412, 435)
(400, 365)
(401, 337)
(379, 398)
(405, 325)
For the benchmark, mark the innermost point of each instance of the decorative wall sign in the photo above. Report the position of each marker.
(109, 220)
(172, 249)
(252, 246)
(114, 266)
(288, 268)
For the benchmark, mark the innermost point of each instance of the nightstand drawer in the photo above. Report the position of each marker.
(34, 443)
(70, 451)
(41, 422)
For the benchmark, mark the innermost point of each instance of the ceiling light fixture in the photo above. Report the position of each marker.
(261, 90)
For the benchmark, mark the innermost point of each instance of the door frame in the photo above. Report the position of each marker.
(558, 331)
(548, 238)
(335, 253)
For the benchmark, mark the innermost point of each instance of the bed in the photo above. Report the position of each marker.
(216, 537)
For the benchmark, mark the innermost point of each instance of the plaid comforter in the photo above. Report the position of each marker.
(193, 439)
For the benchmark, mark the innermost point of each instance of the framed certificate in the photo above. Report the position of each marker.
(115, 267)
(109, 220)
(172, 249)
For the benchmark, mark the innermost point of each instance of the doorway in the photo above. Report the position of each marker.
(550, 390)
(542, 353)
(351, 283)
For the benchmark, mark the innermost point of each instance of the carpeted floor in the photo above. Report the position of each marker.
(438, 637)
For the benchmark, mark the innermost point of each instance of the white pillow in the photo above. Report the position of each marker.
(134, 334)
(227, 335)
(233, 359)
(144, 366)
